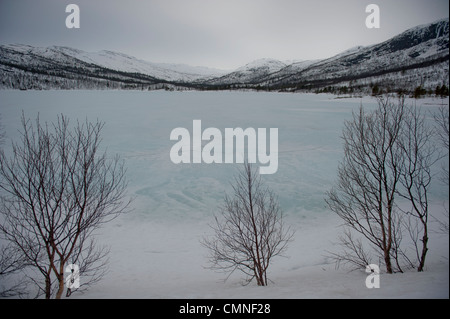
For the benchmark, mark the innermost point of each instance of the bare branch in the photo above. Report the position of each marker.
(58, 188)
(388, 153)
(249, 231)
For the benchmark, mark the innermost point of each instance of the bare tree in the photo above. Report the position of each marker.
(442, 129)
(250, 230)
(57, 189)
(388, 156)
(442, 121)
(418, 155)
(368, 177)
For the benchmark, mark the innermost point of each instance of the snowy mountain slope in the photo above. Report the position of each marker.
(252, 72)
(417, 48)
(423, 47)
(394, 64)
(126, 63)
(110, 60)
(27, 67)
(416, 57)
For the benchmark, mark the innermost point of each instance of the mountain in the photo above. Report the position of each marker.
(418, 57)
(25, 66)
(126, 63)
(252, 72)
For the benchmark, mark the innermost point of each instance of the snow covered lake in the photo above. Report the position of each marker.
(155, 249)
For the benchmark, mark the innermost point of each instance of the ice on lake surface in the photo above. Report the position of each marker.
(138, 126)
(185, 196)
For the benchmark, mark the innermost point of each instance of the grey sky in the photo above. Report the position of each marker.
(216, 33)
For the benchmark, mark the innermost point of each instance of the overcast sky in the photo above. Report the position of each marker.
(223, 34)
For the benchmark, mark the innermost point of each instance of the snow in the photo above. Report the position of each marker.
(350, 51)
(156, 250)
(390, 62)
(122, 62)
(126, 63)
(270, 65)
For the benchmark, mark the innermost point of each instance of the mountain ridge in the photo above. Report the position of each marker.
(416, 57)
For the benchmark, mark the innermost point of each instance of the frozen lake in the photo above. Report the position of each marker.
(174, 203)
(138, 126)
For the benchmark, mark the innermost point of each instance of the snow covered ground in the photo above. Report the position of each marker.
(156, 250)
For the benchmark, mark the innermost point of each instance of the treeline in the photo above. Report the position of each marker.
(441, 91)
(45, 76)
(376, 90)
(64, 80)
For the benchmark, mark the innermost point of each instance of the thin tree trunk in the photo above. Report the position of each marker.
(424, 249)
(48, 286)
(60, 277)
